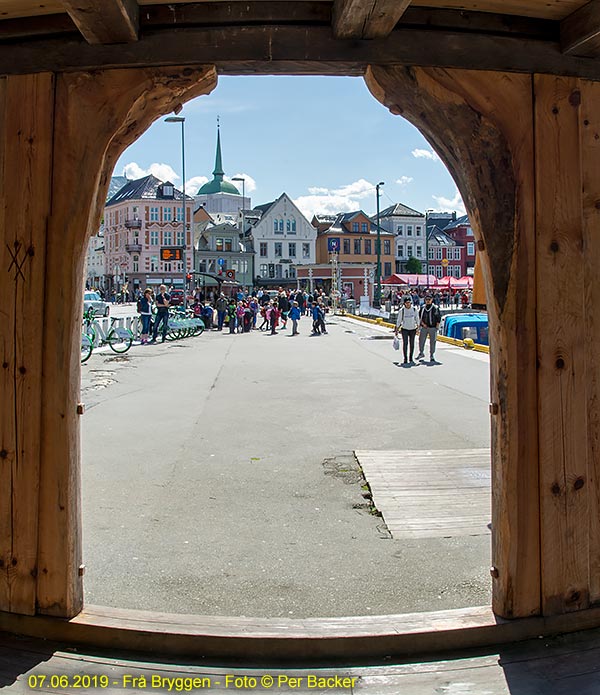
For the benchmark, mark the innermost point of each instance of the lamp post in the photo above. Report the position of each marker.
(427, 245)
(180, 119)
(377, 302)
(243, 180)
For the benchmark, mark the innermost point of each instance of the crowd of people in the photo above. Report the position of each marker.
(457, 299)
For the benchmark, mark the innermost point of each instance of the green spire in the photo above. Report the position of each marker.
(218, 173)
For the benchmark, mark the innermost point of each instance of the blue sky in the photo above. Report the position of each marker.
(325, 141)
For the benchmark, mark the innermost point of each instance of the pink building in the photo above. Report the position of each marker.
(140, 218)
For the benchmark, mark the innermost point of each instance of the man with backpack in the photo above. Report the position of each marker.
(430, 319)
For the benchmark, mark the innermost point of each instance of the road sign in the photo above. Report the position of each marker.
(445, 262)
(171, 253)
(221, 261)
(230, 274)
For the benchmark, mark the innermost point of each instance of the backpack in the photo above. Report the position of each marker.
(139, 305)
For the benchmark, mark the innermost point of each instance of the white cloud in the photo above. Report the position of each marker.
(164, 172)
(425, 154)
(404, 180)
(329, 201)
(450, 204)
(192, 185)
(250, 182)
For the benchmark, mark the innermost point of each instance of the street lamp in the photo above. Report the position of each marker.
(427, 213)
(180, 119)
(377, 302)
(243, 180)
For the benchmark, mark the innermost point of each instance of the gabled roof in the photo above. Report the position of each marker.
(341, 224)
(398, 209)
(438, 236)
(146, 188)
(115, 185)
(460, 222)
(264, 208)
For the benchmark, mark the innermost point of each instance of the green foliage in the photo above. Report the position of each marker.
(413, 266)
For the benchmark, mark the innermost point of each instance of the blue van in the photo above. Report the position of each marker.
(461, 326)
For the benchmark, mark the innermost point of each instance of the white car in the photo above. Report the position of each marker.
(93, 300)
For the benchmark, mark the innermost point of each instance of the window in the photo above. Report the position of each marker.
(179, 214)
(264, 249)
(419, 252)
(400, 253)
(292, 250)
(280, 228)
(368, 251)
(218, 244)
(387, 247)
(438, 253)
(469, 231)
(387, 269)
(180, 238)
(136, 264)
(457, 270)
(278, 268)
(167, 238)
(264, 270)
(166, 267)
(153, 262)
(438, 271)
(228, 244)
(293, 225)
(167, 214)
(167, 190)
(154, 238)
(346, 245)
(400, 229)
(431, 253)
(153, 214)
(457, 253)
(364, 228)
(355, 226)
(305, 250)
(409, 230)
(470, 248)
(357, 245)
(418, 230)
(275, 225)
(288, 226)
(278, 250)
(409, 251)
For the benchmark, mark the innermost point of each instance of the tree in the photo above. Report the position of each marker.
(413, 265)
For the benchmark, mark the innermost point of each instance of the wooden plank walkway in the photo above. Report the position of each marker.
(431, 494)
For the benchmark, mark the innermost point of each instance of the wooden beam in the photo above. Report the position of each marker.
(111, 21)
(366, 19)
(263, 50)
(580, 31)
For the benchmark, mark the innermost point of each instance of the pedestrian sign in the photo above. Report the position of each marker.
(221, 261)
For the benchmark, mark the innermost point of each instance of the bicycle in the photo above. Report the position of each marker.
(118, 339)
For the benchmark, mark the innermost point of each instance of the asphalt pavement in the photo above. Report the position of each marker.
(218, 474)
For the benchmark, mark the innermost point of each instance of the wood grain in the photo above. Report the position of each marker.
(112, 21)
(366, 19)
(580, 31)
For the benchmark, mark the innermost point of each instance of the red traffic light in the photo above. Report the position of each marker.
(188, 276)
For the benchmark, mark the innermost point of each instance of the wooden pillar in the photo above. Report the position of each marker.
(480, 123)
(525, 153)
(60, 136)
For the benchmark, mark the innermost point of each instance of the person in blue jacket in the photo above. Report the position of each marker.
(294, 315)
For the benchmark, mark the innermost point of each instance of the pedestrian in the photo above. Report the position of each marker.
(295, 314)
(145, 308)
(430, 319)
(231, 307)
(163, 300)
(316, 316)
(221, 311)
(274, 318)
(407, 323)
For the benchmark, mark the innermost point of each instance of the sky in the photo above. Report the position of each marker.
(325, 141)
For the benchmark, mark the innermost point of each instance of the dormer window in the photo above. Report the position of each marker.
(167, 190)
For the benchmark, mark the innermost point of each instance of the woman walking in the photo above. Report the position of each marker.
(407, 323)
(145, 309)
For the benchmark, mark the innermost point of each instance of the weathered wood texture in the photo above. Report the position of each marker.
(26, 126)
(52, 129)
(562, 316)
(430, 494)
(489, 152)
(366, 19)
(580, 31)
(111, 21)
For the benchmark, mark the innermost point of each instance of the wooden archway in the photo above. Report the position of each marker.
(522, 145)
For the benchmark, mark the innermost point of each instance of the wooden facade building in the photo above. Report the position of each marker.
(508, 94)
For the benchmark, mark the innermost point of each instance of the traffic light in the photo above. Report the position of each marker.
(188, 276)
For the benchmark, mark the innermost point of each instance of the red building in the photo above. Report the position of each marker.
(461, 232)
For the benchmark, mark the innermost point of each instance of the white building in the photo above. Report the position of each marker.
(408, 226)
(95, 276)
(281, 237)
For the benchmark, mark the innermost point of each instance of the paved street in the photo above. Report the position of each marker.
(218, 474)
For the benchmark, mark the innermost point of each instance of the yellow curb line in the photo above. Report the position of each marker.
(467, 344)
